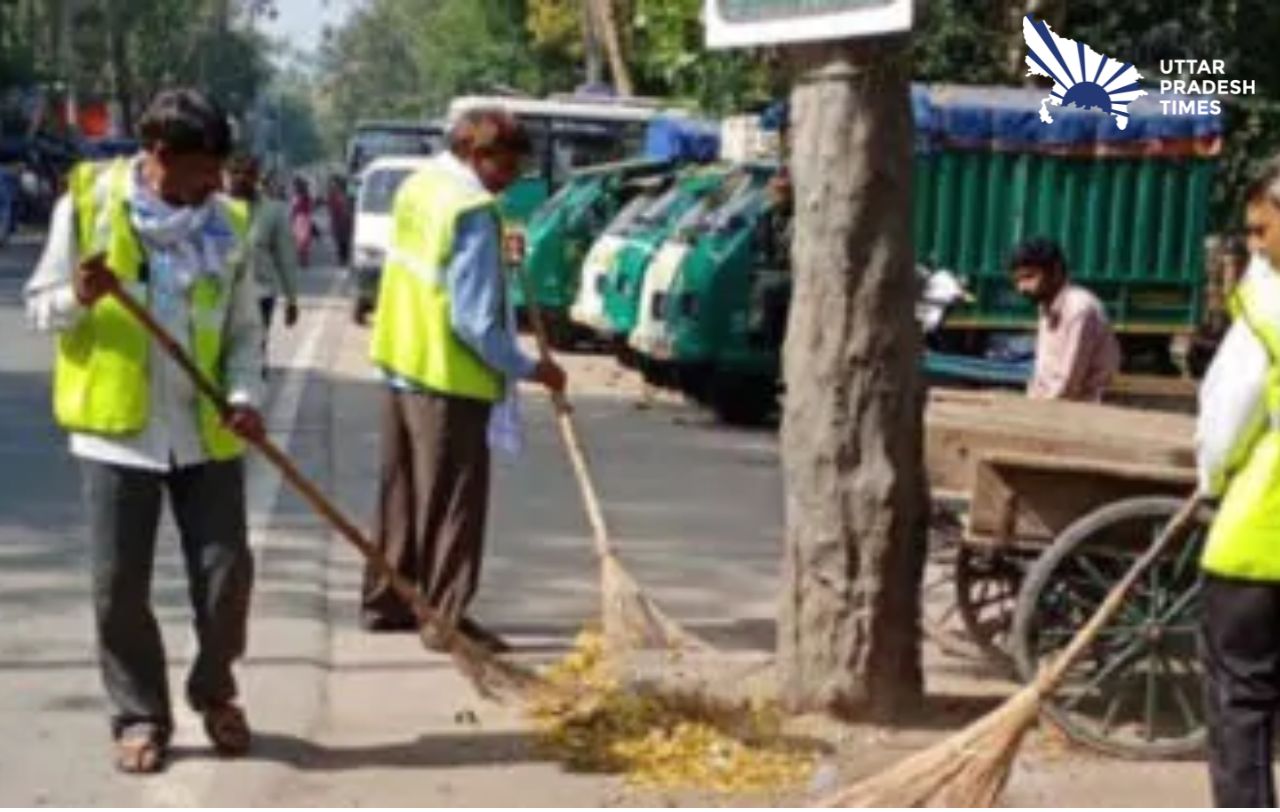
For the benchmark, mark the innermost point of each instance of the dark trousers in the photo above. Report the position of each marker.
(1240, 647)
(267, 306)
(432, 501)
(124, 512)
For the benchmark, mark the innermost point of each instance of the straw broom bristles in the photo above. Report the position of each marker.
(630, 618)
(971, 768)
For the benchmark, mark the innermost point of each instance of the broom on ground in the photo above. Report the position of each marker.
(971, 768)
(630, 618)
(492, 677)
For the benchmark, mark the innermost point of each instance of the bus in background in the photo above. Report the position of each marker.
(379, 139)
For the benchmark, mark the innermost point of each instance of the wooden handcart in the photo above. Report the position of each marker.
(1039, 507)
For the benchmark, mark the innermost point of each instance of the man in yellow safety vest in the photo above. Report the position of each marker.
(155, 226)
(445, 344)
(1238, 448)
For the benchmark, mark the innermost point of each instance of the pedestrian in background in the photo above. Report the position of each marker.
(156, 225)
(272, 257)
(302, 220)
(444, 340)
(1077, 354)
(340, 218)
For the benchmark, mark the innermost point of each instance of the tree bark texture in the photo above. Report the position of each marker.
(606, 24)
(848, 635)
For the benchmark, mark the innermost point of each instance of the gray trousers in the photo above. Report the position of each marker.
(433, 497)
(208, 505)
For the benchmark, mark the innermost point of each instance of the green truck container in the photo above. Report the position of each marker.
(1129, 207)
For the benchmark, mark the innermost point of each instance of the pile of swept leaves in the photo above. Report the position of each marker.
(662, 740)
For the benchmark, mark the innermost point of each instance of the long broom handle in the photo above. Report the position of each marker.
(568, 431)
(403, 589)
(1179, 526)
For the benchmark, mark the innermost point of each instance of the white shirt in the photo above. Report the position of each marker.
(1232, 399)
(171, 437)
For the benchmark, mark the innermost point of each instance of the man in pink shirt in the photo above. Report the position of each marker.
(1077, 354)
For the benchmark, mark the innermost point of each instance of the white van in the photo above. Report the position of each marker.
(379, 182)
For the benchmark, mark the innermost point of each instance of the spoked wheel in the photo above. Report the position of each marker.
(987, 584)
(969, 594)
(1136, 692)
(940, 612)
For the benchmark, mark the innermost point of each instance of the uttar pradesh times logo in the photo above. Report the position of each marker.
(1086, 79)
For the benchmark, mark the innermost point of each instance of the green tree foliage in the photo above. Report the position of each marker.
(666, 37)
(961, 41)
(128, 49)
(408, 58)
(663, 41)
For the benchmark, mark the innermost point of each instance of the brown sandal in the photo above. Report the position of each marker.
(140, 752)
(227, 729)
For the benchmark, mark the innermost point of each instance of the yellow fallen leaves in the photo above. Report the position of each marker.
(659, 739)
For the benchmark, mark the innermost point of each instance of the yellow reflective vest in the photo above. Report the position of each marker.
(412, 333)
(1244, 541)
(100, 382)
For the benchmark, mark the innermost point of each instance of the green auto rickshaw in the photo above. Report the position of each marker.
(553, 245)
(714, 313)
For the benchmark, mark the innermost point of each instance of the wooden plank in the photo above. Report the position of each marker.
(1103, 418)
(1051, 493)
(952, 450)
(1154, 385)
(961, 427)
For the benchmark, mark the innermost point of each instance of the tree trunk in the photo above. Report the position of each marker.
(592, 58)
(606, 23)
(117, 23)
(848, 634)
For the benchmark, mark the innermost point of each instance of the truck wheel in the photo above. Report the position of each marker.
(743, 400)
(560, 332)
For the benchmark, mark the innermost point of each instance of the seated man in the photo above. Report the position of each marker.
(1077, 354)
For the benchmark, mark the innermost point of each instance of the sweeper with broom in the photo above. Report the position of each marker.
(1238, 446)
(445, 343)
(155, 226)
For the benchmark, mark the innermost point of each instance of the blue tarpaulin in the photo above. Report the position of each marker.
(682, 139)
(1012, 115)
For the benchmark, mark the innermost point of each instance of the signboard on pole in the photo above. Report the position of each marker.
(744, 23)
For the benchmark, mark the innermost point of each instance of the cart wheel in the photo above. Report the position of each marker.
(987, 584)
(1136, 692)
(743, 400)
(968, 595)
(940, 612)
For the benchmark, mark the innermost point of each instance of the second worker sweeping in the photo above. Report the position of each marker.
(445, 343)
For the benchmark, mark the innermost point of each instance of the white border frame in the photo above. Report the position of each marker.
(721, 33)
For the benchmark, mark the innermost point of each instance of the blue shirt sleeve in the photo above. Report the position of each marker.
(477, 298)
